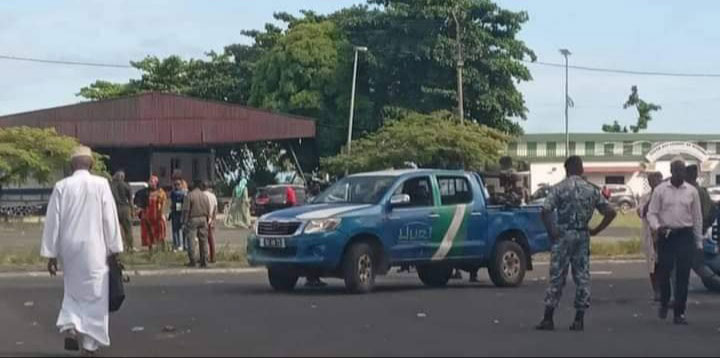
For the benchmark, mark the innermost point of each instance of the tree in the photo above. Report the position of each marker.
(430, 140)
(644, 110)
(305, 73)
(413, 56)
(614, 128)
(35, 153)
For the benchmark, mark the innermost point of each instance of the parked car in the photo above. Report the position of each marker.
(622, 197)
(275, 197)
(365, 224)
(714, 192)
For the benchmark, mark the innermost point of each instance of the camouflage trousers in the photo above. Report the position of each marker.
(572, 249)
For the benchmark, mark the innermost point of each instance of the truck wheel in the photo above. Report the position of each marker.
(359, 268)
(282, 279)
(508, 265)
(712, 283)
(435, 275)
(625, 207)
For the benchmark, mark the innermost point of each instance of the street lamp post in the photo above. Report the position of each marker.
(352, 96)
(566, 53)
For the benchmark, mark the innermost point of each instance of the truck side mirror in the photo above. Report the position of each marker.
(399, 200)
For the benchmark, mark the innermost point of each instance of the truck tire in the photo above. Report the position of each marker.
(508, 265)
(282, 279)
(625, 207)
(436, 275)
(359, 266)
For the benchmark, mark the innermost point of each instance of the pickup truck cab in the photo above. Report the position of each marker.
(436, 220)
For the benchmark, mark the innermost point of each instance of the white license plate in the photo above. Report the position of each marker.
(272, 243)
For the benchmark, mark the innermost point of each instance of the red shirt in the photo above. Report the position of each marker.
(291, 197)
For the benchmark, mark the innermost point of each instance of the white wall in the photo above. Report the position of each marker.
(545, 173)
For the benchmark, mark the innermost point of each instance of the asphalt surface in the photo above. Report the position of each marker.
(238, 315)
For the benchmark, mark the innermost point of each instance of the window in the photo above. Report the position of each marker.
(614, 179)
(627, 148)
(717, 180)
(609, 148)
(551, 149)
(703, 145)
(572, 148)
(357, 190)
(454, 190)
(589, 148)
(646, 147)
(419, 190)
(531, 149)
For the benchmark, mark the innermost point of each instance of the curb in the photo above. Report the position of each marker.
(140, 273)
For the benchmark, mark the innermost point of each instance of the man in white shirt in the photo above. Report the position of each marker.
(211, 220)
(82, 232)
(675, 215)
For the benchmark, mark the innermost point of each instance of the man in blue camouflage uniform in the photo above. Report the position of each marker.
(574, 201)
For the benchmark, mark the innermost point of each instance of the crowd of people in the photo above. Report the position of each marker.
(192, 213)
(677, 214)
(88, 221)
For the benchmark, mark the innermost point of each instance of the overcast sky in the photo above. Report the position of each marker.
(645, 35)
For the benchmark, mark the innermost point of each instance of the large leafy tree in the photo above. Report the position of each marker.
(434, 140)
(305, 73)
(35, 153)
(644, 111)
(413, 56)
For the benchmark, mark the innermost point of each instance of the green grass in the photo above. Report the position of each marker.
(623, 221)
(624, 248)
(29, 259)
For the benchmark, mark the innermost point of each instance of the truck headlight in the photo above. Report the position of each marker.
(322, 225)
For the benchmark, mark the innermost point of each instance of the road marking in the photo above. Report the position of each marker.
(601, 273)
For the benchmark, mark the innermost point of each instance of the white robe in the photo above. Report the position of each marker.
(81, 230)
(648, 238)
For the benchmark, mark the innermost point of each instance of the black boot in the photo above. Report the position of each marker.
(579, 324)
(547, 323)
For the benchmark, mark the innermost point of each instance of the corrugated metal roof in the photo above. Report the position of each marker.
(164, 120)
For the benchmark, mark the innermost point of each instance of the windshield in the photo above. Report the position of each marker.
(356, 190)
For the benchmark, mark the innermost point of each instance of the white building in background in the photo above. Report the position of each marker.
(616, 158)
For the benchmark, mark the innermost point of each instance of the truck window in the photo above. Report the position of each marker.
(454, 190)
(419, 190)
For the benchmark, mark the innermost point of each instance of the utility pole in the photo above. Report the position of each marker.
(352, 97)
(566, 53)
(460, 65)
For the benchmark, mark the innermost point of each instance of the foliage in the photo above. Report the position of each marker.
(304, 66)
(644, 110)
(303, 74)
(35, 153)
(436, 140)
(412, 56)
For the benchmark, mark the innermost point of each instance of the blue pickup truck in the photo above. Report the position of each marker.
(436, 220)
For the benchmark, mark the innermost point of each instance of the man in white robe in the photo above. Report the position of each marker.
(81, 231)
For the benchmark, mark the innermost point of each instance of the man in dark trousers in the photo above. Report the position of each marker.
(196, 211)
(574, 200)
(675, 214)
(123, 200)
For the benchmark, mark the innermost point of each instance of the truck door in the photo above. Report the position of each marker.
(410, 227)
(453, 225)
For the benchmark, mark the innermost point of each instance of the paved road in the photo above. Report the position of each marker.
(224, 315)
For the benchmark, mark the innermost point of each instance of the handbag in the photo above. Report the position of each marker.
(117, 287)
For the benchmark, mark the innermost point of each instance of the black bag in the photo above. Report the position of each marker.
(117, 288)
